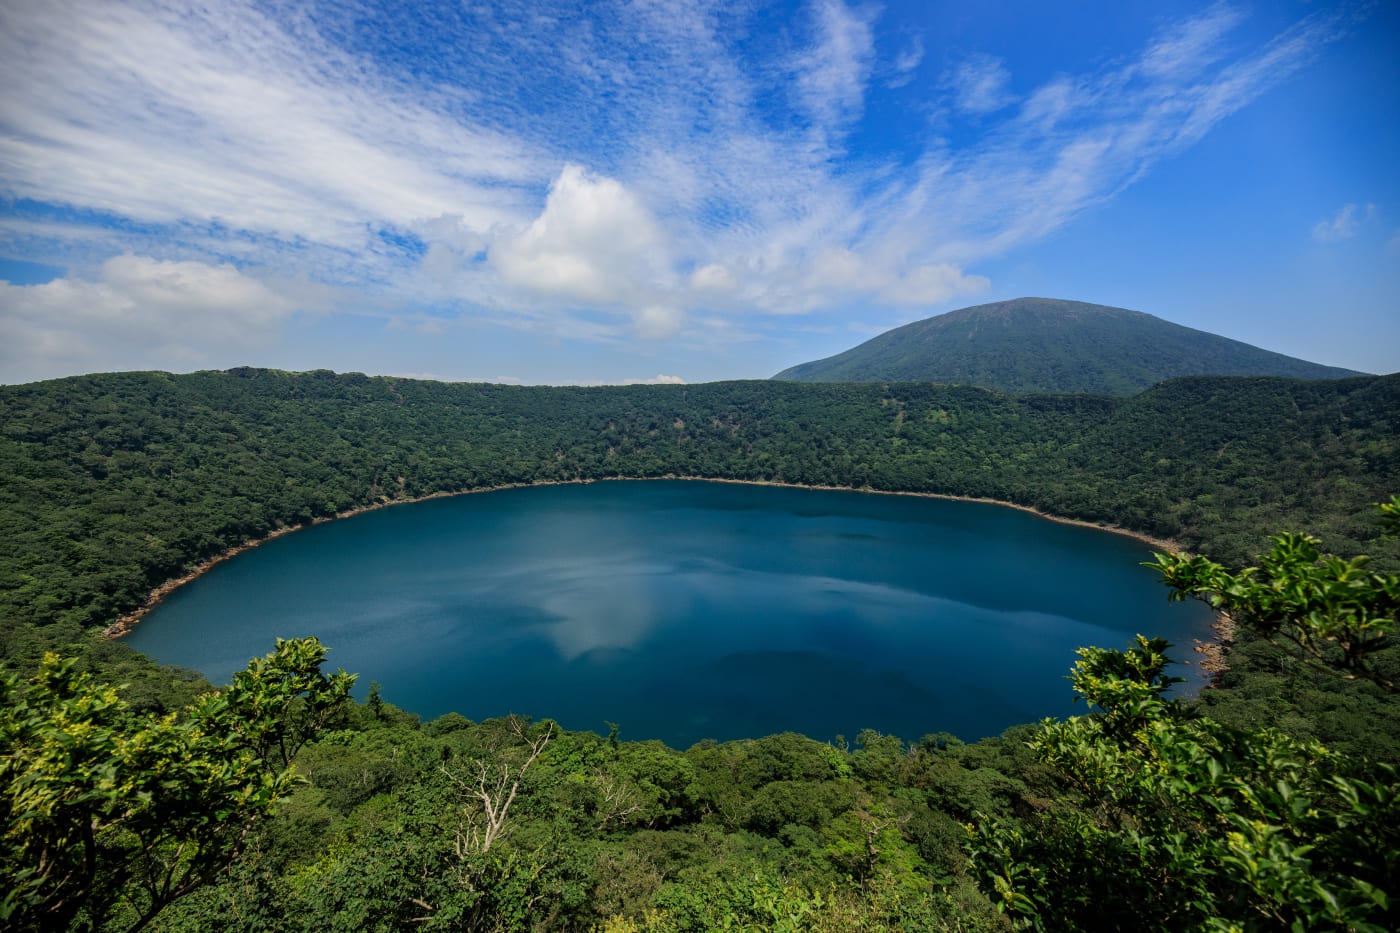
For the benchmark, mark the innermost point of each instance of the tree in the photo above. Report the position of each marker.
(1172, 820)
(489, 784)
(279, 702)
(109, 815)
(1332, 614)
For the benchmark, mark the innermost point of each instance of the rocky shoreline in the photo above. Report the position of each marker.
(1215, 653)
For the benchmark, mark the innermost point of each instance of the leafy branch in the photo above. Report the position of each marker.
(1329, 613)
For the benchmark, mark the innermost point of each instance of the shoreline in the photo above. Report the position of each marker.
(1213, 653)
(128, 621)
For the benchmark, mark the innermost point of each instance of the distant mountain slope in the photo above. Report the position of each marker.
(1033, 345)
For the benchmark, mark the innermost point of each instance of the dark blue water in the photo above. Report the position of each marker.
(689, 610)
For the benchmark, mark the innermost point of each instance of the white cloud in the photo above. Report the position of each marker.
(137, 313)
(659, 379)
(932, 284)
(1343, 225)
(702, 186)
(1049, 103)
(1080, 140)
(906, 63)
(981, 85)
(1211, 99)
(1185, 48)
(894, 282)
(657, 322)
(595, 243)
(713, 277)
(218, 114)
(216, 293)
(833, 72)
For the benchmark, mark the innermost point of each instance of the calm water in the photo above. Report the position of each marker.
(688, 610)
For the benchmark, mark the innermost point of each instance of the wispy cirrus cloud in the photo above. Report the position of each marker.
(168, 114)
(981, 84)
(833, 72)
(1077, 141)
(906, 63)
(1343, 225)
(638, 173)
(1183, 50)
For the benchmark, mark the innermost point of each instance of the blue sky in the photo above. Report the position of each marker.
(680, 191)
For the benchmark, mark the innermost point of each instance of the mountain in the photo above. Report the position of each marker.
(1046, 345)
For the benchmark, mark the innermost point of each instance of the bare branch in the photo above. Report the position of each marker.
(491, 790)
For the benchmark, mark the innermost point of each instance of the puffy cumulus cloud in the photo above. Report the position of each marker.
(594, 243)
(1343, 225)
(660, 379)
(220, 296)
(138, 312)
(931, 284)
(712, 278)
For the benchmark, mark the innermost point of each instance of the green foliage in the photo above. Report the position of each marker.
(1124, 687)
(1176, 821)
(110, 815)
(279, 702)
(409, 857)
(1330, 613)
(762, 902)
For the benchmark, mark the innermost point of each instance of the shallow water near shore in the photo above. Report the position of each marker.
(685, 610)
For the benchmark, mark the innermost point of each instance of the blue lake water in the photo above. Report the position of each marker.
(685, 610)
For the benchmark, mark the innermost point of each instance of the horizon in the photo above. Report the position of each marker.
(660, 380)
(680, 192)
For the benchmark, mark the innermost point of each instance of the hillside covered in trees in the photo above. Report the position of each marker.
(116, 483)
(1031, 345)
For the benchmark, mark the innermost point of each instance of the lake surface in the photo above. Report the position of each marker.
(685, 610)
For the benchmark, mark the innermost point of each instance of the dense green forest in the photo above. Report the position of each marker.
(1146, 814)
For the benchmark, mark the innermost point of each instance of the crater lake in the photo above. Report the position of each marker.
(684, 610)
